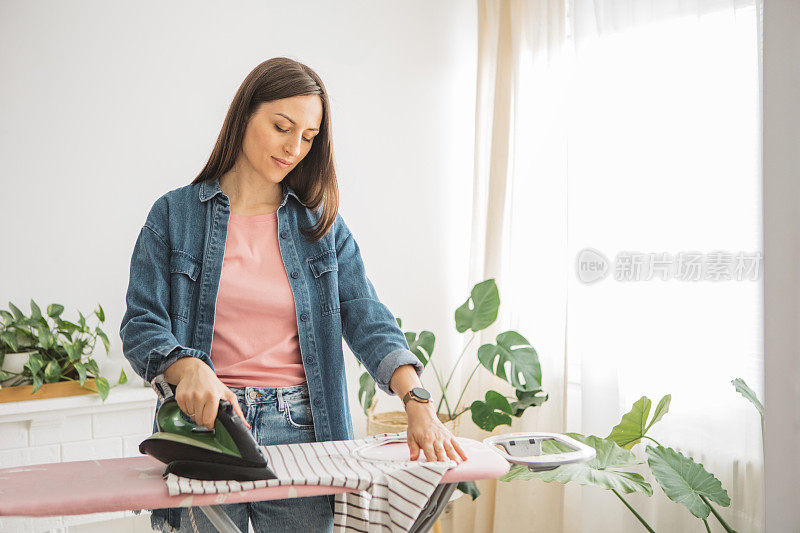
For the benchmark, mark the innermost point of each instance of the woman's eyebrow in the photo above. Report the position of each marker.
(293, 122)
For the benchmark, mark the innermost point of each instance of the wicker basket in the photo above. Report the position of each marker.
(396, 421)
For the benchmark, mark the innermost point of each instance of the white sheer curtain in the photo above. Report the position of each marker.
(623, 126)
(664, 158)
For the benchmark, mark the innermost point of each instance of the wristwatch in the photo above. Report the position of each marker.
(417, 394)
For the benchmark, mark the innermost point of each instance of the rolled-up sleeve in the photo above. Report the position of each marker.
(368, 327)
(146, 328)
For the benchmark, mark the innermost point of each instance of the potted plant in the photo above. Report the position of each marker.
(42, 356)
(511, 358)
(681, 478)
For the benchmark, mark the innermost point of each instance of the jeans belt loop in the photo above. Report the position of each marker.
(279, 394)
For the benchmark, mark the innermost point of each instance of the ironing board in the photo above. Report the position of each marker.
(84, 487)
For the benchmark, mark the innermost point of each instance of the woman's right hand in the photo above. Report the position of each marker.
(199, 391)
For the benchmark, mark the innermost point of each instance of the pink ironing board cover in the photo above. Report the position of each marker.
(131, 483)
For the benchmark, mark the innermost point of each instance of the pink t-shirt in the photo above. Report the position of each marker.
(255, 340)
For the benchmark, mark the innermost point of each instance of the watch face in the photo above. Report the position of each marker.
(420, 393)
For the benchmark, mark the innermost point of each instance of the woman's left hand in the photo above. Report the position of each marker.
(427, 433)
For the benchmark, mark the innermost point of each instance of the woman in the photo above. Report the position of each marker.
(244, 282)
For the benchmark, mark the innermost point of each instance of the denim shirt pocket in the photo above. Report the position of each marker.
(184, 270)
(325, 269)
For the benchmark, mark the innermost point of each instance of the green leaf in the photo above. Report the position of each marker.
(661, 409)
(527, 399)
(81, 368)
(4, 375)
(35, 363)
(72, 353)
(421, 346)
(99, 313)
(14, 309)
(122, 377)
(69, 326)
(37, 382)
(631, 429)
(7, 317)
(629, 432)
(515, 352)
(36, 313)
(52, 372)
(82, 321)
(366, 391)
(103, 337)
(493, 412)
(11, 340)
(102, 387)
(684, 481)
(485, 302)
(599, 472)
(743, 389)
(54, 310)
(91, 366)
(469, 487)
(399, 322)
(46, 339)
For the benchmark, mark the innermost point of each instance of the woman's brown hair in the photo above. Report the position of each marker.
(314, 177)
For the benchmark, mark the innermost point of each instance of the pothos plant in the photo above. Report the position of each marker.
(681, 478)
(511, 358)
(61, 349)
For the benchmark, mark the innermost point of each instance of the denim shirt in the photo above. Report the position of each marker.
(175, 275)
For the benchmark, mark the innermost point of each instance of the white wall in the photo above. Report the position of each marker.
(781, 262)
(106, 106)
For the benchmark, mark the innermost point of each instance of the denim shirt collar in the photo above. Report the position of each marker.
(211, 188)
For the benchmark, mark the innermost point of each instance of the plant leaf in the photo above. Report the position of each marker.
(103, 337)
(7, 317)
(493, 412)
(684, 481)
(527, 399)
(99, 313)
(631, 429)
(399, 322)
(91, 366)
(17, 313)
(599, 472)
(37, 382)
(54, 310)
(515, 352)
(421, 346)
(52, 372)
(122, 377)
(36, 313)
(35, 363)
(82, 321)
(661, 409)
(485, 302)
(81, 372)
(102, 387)
(743, 389)
(366, 391)
(10, 339)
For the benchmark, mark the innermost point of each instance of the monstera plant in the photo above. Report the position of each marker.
(681, 478)
(511, 358)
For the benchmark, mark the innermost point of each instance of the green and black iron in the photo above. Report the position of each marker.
(229, 451)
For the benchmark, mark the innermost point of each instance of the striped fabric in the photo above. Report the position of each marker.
(390, 493)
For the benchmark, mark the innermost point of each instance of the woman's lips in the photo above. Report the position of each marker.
(280, 163)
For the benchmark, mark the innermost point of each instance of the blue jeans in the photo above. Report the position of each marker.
(280, 415)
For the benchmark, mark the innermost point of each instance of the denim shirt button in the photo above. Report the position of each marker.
(295, 274)
(309, 359)
(284, 234)
(317, 402)
(304, 317)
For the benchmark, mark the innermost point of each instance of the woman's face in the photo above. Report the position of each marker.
(279, 132)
